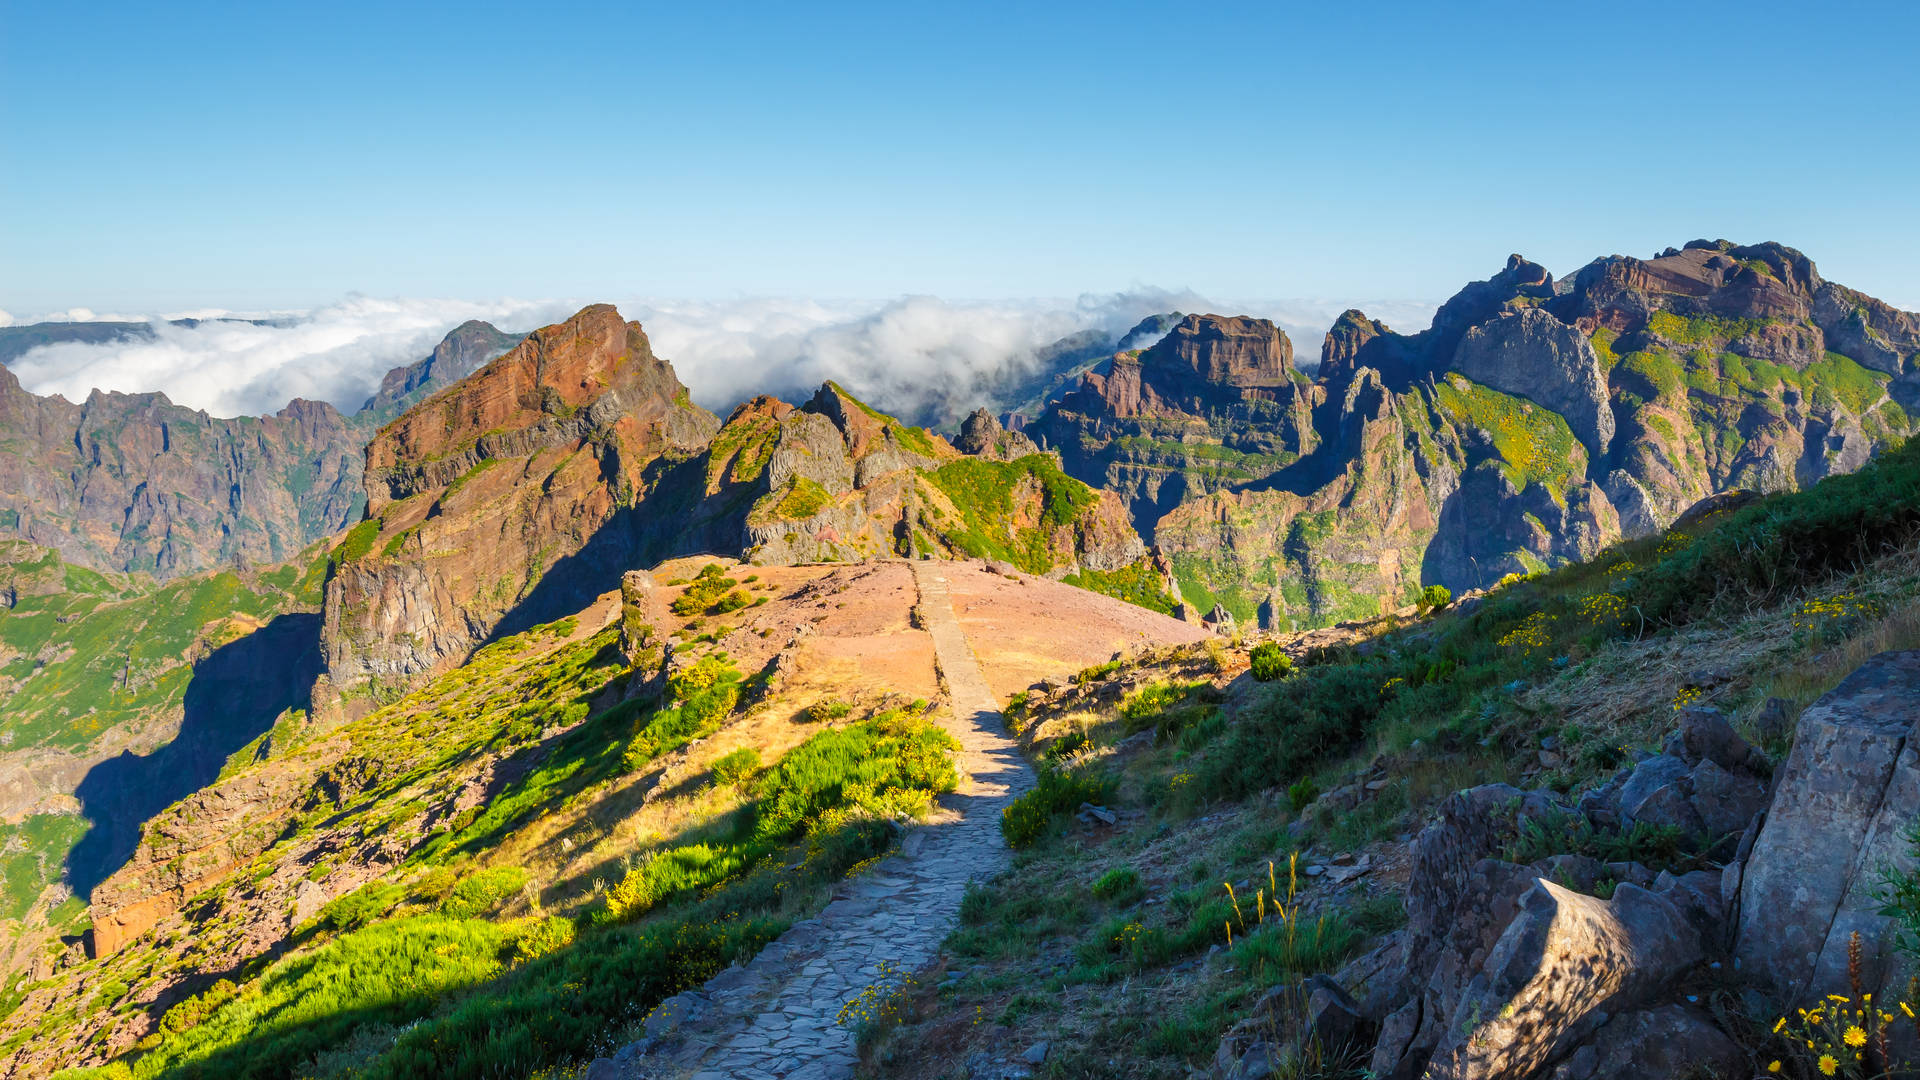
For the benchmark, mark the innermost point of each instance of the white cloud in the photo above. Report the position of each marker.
(336, 353)
(906, 354)
(909, 354)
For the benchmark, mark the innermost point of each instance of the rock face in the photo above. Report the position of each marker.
(1842, 807)
(1534, 422)
(482, 500)
(1563, 965)
(1529, 353)
(133, 482)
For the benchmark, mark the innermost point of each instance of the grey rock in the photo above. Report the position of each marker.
(1842, 806)
(1331, 1016)
(1036, 1053)
(1564, 964)
(1705, 735)
(1668, 1041)
(1725, 802)
(1657, 794)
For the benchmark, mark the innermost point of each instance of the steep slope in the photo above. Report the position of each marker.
(438, 859)
(1290, 876)
(135, 483)
(1532, 423)
(120, 697)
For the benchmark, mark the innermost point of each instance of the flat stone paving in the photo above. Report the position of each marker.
(776, 1016)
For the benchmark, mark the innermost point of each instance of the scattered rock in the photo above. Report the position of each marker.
(1089, 813)
(1036, 1053)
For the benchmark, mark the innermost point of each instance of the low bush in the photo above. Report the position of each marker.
(1058, 791)
(1269, 662)
(1120, 885)
(734, 767)
(477, 894)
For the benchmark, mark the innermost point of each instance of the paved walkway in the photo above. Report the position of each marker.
(778, 1016)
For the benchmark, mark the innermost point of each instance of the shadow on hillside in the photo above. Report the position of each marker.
(674, 518)
(233, 696)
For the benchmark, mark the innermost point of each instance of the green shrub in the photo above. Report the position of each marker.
(356, 544)
(734, 767)
(1120, 885)
(890, 766)
(483, 892)
(543, 936)
(707, 592)
(1269, 662)
(703, 695)
(1166, 708)
(1302, 792)
(1058, 791)
(1435, 597)
(1096, 672)
(363, 906)
(822, 711)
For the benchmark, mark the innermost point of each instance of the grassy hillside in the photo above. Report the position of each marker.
(1263, 825)
(494, 875)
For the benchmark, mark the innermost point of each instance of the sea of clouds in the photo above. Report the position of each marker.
(899, 353)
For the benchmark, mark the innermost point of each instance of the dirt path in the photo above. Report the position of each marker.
(778, 1016)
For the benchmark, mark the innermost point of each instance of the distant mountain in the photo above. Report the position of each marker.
(133, 482)
(1532, 423)
(17, 341)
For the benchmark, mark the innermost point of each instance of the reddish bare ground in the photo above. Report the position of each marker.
(1026, 628)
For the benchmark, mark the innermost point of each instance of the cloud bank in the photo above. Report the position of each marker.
(914, 354)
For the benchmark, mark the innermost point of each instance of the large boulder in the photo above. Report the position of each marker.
(1672, 1040)
(1563, 966)
(1843, 807)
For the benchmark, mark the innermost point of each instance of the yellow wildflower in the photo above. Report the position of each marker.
(1855, 1036)
(1773, 1066)
(1829, 1064)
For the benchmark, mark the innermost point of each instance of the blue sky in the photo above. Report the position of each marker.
(164, 157)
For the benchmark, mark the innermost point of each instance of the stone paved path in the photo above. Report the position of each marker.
(775, 1017)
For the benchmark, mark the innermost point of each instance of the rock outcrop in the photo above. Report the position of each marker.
(1843, 808)
(982, 436)
(1529, 353)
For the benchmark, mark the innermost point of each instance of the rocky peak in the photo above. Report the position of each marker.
(1482, 300)
(1234, 351)
(500, 500)
(982, 436)
(465, 348)
(592, 372)
(1349, 345)
(859, 425)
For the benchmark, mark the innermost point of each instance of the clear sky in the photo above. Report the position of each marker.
(170, 156)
